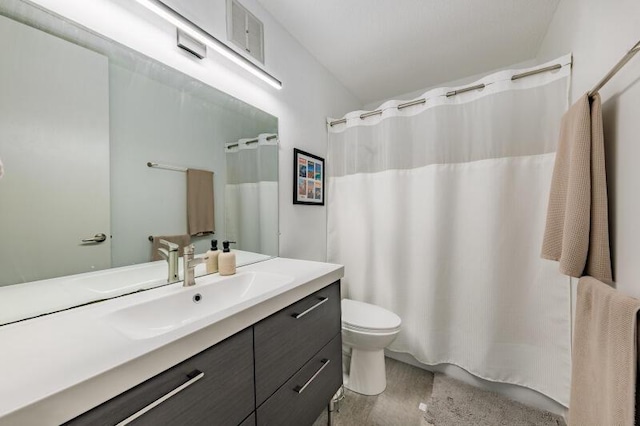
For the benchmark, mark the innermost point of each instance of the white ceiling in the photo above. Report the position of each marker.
(384, 48)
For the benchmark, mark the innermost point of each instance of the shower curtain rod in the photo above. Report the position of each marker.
(252, 141)
(617, 67)
(451, 93)
(168, 167)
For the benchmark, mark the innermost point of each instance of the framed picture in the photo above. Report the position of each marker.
(308, 178)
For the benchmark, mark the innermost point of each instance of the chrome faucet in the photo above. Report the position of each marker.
(189, 265)
(170, 254)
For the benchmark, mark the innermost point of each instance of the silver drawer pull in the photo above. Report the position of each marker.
(162, 398)
(322, 300)
(324, 362)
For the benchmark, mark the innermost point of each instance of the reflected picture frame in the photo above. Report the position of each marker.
(308, 178)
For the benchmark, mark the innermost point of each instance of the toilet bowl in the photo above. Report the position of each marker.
(367, 329)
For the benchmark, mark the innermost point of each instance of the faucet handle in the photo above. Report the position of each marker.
(171, 246)
(190, 249)
(164, 253)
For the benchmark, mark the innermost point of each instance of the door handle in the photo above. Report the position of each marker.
(98, 238)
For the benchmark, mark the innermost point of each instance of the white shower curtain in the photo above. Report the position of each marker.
(251, 194)
(437, 212)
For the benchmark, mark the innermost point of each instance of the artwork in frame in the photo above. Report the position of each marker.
(308, 182)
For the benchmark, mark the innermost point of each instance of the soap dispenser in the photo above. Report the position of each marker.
(212, 257)
(227, 260)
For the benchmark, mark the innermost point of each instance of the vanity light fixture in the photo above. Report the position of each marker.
(173, 17)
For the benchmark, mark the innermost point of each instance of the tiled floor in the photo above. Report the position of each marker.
(407, 387)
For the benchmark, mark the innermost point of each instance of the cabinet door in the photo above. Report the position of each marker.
(285, 341)
(249, 421)
(302, 398)
(214, 387)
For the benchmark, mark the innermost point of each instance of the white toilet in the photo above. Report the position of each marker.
(367, 329)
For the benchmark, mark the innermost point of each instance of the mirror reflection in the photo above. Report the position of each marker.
(81, 117)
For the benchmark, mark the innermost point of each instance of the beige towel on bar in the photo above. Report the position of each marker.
(577, 230)
(200, 218)
(180, 240)
(604, 356)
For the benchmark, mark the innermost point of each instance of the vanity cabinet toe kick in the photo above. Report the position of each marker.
(281, 371)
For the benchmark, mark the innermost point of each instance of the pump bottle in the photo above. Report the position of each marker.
(227, 260)
(211, 257)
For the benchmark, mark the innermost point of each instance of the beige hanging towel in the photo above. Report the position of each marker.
(604, 356)
(180, 240)
(577, 230)
(200, 219)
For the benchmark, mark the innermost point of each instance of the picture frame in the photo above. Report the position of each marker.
(308, 178)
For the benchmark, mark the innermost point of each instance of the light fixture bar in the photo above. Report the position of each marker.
(173, 17)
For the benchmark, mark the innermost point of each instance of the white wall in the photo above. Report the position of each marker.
(309, 93)
(599, 33)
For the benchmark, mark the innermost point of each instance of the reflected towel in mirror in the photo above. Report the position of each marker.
(200, 219)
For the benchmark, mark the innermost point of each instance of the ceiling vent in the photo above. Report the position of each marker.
(245, 30)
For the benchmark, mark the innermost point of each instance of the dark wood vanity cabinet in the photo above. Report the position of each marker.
(214, 387)
(281, 371)
(303, 397)
(286, 340)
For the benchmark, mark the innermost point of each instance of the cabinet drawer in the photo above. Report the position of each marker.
(285, 341)
(223, 395)
(302, 398)
(249, 421)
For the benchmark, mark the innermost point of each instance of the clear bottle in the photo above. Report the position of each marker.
(211, 257)
(227, 260)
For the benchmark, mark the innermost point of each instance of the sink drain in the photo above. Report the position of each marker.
(197, 298)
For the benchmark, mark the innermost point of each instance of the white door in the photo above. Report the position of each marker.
(54, 143)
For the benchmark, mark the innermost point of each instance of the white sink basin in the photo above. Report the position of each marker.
(208, 297)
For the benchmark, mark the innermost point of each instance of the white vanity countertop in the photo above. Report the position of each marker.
(28, 300)
(57, 366)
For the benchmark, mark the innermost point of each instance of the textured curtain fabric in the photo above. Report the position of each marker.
(437, 212)
(251, 194)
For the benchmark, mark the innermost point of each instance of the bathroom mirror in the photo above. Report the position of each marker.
(81, 117)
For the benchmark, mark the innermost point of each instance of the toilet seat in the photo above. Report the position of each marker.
(367, 318)
(369, 330)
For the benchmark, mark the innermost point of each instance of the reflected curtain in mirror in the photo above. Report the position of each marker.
(251, 194)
